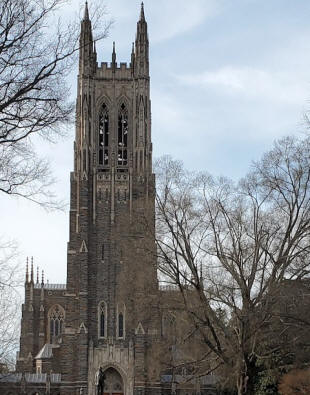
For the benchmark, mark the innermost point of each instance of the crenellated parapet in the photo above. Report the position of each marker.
(122, 71)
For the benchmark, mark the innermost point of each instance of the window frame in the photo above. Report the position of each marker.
(122, 135)
(102, 309)
(104, 137)
(56, 319)
(121, 310)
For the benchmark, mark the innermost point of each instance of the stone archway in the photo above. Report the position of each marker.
(114, 384)
(115, 360)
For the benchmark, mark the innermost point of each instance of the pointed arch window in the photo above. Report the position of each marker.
(120, 327)
(104, 136)
(122, 142)
(56, 318)
(102, 320)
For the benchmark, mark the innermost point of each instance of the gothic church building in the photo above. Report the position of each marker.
(108, 314)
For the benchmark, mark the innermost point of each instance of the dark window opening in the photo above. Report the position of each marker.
(52, 330)
(102, 326)
(100, 157)
(56, 327)
(106, 157)
(102, 252)
(120, 325)
(84, 159)
(102, 320)
(56, 322)
(104, 136)
(122, 141)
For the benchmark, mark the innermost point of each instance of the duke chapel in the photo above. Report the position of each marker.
(110, 312)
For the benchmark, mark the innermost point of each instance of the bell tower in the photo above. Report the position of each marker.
(112, 309)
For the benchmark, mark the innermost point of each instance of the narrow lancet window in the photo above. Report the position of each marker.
(102, 326)
(102, 320)
(104, 136)
(121, 325)
(122, 158)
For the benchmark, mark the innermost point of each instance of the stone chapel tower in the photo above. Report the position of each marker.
(107, 314)
(111, 272)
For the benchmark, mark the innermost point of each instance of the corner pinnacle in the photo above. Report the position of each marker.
(31, 272)
(27, 273)
(142, 17)
(86, 14)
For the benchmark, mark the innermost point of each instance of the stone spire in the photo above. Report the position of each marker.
(142, 17)
(133, 56)
(86, 45)
(86, 13)
(113, 57)
(31, 272)
(142, 47)
(27, 271)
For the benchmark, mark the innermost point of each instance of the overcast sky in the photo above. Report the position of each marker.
(227, 78)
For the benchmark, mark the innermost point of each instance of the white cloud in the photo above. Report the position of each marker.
(172, 18)
(251, 83)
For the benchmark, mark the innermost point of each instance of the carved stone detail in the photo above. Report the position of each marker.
(114, 356)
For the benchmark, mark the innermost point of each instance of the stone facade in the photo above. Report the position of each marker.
(108, 313)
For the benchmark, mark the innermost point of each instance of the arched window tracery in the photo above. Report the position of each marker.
(56, 319)
(104, 135)
(102, 320)
(122, 142)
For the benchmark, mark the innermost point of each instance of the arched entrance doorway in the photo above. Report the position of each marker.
(113, 384)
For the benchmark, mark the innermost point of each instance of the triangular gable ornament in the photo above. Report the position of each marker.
(82, 328)
(83, 247)
(139, 329)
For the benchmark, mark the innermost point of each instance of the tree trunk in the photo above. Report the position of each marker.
(242, 382)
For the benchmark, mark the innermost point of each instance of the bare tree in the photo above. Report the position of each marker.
(10, 283)
(37, 53)
(229, 247)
